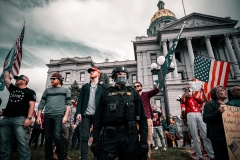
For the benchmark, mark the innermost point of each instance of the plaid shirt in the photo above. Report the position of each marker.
(145, 96)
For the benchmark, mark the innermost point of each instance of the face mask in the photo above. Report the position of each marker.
(121, 80)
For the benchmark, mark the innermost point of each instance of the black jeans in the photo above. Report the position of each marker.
(87, 121)
(76, 139)
(35, 133)
(220, 149)
(120, 145)
(53, 128)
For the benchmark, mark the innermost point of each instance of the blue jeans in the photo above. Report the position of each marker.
(195, 122)
(53, 129)
(157, 131)
(8, 126)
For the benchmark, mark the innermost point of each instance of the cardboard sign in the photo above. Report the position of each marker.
(231, 122)
(195, 86)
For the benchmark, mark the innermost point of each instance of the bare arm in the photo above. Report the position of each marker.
(27, 122)
(185, 94)
(204, 96)
(7, 78)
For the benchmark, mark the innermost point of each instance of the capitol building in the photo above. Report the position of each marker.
(206, 35)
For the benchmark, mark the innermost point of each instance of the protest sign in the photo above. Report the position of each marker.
(231, 122)
(196, 86)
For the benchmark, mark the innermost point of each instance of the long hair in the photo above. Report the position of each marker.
(214, 91)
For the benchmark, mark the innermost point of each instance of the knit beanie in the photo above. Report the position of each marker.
(57, 75)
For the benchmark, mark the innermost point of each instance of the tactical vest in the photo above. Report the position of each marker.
(119, 106)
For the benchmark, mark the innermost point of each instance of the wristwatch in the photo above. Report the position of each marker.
(30, 118)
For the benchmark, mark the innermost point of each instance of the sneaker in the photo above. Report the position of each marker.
(164, 148)
(156, 148)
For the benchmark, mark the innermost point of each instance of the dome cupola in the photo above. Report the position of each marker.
(160, 18)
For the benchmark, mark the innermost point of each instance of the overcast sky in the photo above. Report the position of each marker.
(98, 28)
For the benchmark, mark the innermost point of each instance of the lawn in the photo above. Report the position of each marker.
(170, 154)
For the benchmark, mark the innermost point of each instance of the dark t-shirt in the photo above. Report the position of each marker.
(18, 102)
(156, 118)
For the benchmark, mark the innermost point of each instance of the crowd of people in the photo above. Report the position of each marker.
(116, 121)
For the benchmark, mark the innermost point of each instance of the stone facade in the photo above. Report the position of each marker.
(205, 35)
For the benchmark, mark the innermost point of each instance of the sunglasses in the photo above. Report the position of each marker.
(19, 79)
(53, 79)
(136, 86)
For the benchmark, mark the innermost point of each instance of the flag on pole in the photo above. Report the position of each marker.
(13, 58)
(168, 59)
(212, 72)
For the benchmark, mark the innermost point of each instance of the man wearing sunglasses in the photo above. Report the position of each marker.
(235, 92)
(115, 132)
(146, 96)
(57, 101)
(17, 116)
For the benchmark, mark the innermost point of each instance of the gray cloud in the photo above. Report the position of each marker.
(96, 28)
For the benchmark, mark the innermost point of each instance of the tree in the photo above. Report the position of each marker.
(104, 78)
(75, 90)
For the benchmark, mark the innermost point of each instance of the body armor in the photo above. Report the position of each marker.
(119, 106)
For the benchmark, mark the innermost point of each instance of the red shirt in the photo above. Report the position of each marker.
(145, 96)
(192, 104)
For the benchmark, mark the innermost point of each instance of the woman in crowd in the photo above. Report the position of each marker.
(212, 116)
(172, 132)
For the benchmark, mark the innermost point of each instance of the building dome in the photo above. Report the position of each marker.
(160, 19)
(163, 13)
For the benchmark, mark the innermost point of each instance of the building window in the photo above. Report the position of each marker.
(67, 79)
(158, 104)
(180, 74)
(155, 77)
(82, 76)
(178, 56)
(153, 58)
(134, 78)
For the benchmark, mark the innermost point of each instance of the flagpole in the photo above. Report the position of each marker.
(19, 32)
(183, 8)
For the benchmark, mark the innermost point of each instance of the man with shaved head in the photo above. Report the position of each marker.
(235, 101)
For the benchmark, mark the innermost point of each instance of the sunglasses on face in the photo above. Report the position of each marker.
(136, 86)
(19, 79)
(53, 79)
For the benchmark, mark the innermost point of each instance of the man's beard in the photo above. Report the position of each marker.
(140, 90)
(93, 76)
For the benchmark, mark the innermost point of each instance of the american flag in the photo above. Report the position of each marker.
(212, 72)
(233, 146)
(13, 58)
(18, 54)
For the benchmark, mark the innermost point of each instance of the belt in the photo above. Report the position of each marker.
(117, 129)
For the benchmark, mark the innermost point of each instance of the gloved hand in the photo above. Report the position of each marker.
(142, 148)
(95, 148)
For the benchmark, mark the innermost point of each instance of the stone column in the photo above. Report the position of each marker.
(232, 57)
(145, 71)
(139, 67)
(236, 47)
(209, 46)
(165, 51)
(175, 72)
(190, 52)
